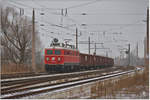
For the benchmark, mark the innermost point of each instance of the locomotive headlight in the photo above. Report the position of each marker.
(47, 58)
(53, 58)
(59, 58)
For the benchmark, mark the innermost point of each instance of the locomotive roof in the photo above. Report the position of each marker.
(62, 48)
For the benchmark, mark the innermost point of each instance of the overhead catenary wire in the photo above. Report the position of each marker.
(51, 24)
(30, 7)
(83, 4)
(92, 24)
(108, 30)
(115, 13)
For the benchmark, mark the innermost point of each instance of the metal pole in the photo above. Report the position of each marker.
(76, 38)
(89, 45)
(20, 11)
(147, 49)
(137, 54)
(137, 51)
(129, 54)
(106, 53)
(33, 42)
(1, 19)
(95, 48)
(120, 59)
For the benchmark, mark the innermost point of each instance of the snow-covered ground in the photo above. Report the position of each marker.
(88, 91)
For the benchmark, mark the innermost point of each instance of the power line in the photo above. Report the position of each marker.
(86, 14)
(51, 23)
(58, 33)
(83, 4)
(109, 24)
(31, 6)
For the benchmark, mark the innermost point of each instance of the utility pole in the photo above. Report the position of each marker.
(76, 38)
(89, 45)
(61, 19)
(147, 49)
(106, 53)
(20, 12)
(129, 54)
(62, 13)
(1, 19)
(137, 57)
(95, 49)
(137, 51)
(120, 59)
(33, 42)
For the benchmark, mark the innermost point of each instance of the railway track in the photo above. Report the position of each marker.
(18, 75)
(9, 84)
(14, 81)
(28, 89)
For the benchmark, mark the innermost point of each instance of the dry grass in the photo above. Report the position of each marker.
(18, 68)
(14, 68)
(126, 86)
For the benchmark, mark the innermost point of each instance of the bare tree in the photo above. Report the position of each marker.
(16, 36)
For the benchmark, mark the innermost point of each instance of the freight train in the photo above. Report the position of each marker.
(62, 57)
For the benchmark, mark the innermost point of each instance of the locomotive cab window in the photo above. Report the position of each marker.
(49, 52)
(57, 52)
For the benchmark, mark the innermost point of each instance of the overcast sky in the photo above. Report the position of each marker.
(112, 22)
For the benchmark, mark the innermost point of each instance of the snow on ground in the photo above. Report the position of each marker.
(80, 91)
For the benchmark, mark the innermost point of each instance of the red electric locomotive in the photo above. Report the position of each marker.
(65, 58)
(61, 57)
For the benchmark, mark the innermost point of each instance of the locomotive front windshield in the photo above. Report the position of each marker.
(49, 52)
(57, 52)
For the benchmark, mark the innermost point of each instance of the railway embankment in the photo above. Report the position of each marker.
(132, 85)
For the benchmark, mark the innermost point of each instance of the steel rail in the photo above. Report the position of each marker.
(15, 89)
(37, 81)
(65, 85)
(7, 82)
